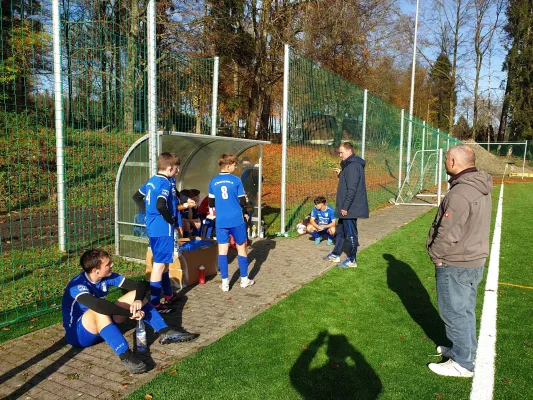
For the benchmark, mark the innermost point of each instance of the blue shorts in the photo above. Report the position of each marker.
(78, 336)
(162, 249)
(238, 233)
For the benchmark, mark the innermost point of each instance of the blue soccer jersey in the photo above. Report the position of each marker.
(159, 186)
(325, 217)
(226, 189)
(81, 284)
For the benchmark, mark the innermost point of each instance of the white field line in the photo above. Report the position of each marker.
(483, 384)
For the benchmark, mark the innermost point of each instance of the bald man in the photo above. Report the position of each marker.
(458, 245)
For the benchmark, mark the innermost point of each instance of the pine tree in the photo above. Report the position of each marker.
(519, 66)
(440, 77)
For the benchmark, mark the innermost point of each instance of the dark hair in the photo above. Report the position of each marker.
(347, 145)
(166, 160)
(227, 159)
(319, 200)
(92, 259)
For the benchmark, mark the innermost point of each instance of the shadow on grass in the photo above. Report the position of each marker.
(403, 280)
(346, 374)
(258, 255)
(45, 373)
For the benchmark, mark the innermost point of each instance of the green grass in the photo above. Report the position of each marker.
(514, 346)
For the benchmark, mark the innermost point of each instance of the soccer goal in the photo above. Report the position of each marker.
(423, 180)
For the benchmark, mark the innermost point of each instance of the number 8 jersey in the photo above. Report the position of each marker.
(226, 189)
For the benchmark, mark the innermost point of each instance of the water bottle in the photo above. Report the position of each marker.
(140, 337)
(201, 275)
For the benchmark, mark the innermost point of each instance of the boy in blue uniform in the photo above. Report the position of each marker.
(227, 197)
(322, 220)
(88, 318)
(158, 199)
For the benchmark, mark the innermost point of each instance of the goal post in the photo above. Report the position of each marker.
(423, 180)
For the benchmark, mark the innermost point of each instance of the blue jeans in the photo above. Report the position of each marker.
(456, 297)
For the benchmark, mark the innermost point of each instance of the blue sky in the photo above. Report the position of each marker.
(467, 71)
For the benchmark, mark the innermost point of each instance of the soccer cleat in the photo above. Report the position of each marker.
(133, 364)
(247, 282)
(225, 285)
(347, 264)
(163, 309)
(331, 257)
(329, 242)
(450, 368)
(318, 240)
(444, 351)
(173, 336)
(172, 298)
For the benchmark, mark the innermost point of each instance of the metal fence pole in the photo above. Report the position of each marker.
(152, 90)
(422, 154)
(58, 112)
(524, 162)
(437, 162)
(363, 135)
(284, 135)
(401, 152)
(439, 190)
(214, 107)
(448, 148)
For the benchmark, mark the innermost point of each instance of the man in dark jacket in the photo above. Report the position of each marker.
(352, 203)
(458, 245)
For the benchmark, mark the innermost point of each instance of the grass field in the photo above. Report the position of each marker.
(365, 333)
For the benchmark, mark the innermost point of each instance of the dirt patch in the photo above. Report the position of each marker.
(495, 165)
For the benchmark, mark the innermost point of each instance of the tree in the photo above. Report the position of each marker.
(462, 130)
(518, 101)
(440, 76)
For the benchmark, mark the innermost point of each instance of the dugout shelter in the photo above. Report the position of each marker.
(199, 155)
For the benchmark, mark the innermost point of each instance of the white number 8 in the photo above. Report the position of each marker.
(224, 190)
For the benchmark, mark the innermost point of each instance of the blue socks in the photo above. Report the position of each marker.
(331, 237)
(167, 287)
(114, 338)
(315, 234)
(243, 265)
(152, 317)
(223, 266)
(155, 293)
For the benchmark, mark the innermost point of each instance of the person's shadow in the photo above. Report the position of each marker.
(403, 280)
(257, 256)
(345, 375)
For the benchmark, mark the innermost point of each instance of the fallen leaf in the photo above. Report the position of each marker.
(124, 385)
(527, 344)
(305, 347)
(333, 312)
(506, 380)
(6, 329)
(164, 353)
(402, 338)
(172, 372)
(34, 319)
(382, 298)
(31, 326)
(439, 396)
(148, 396)
(334, 366)
(424, 337)
(346, 298)
(185, 307)
(228, 299)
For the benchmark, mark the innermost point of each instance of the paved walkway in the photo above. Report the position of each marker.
(42, 366)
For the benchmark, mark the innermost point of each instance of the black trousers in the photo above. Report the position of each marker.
(346, 229)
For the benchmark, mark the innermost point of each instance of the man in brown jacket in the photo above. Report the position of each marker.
(458, 245)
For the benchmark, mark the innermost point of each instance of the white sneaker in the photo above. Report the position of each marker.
(450, 368)
(245, 282)
(225, 285)
(444, 351)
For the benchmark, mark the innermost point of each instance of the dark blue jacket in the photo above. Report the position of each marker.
(351, 192)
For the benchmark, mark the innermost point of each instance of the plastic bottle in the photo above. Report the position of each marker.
(140, 337)
(201, 275)
(254, 234)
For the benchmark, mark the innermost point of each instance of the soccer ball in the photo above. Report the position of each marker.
(300, 228)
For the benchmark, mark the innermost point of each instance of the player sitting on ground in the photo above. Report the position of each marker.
(226, 195)
(88, 318)
(322, 221)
